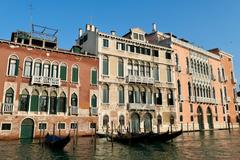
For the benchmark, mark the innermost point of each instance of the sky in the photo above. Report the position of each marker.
(206, 23)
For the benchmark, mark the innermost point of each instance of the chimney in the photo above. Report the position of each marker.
(154, 27)
(88, 27)
(80, 32)
(113, 33)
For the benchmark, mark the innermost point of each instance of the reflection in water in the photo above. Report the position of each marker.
(198, 145)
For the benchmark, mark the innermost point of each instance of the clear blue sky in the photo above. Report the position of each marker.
(207, 23)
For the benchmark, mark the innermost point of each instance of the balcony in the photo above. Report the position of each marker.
(138, 106)
(139, 79)
(45, 80)
(190, 70)
(180, 98)
(7, 108)
(228, 99)
(192, 98)
(94, 111)
(178, 68)
(74, 110)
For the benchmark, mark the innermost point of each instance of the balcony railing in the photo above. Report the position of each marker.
(74, 110)
(7, 108)
(181, 98)
(192, 98)
(45, 80)
(139, 79)
(94, 111)
(138, 106)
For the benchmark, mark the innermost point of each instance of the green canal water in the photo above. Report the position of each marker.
(205, 145)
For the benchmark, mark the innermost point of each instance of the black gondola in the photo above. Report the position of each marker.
(56, 142)
(172, 135)
(101, 135)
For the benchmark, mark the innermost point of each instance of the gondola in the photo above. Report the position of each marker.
(172, 135)
(128, 138)
(56, 142)
(101, 135)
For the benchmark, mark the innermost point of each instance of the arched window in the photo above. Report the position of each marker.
(63, 72)
(179, 87)
(191, 61)
(37, 67)
(209, 92)
(169, 74)
(214, 93)
(23, 101)
(142, 69)
(149, 96)
(204, 69)
(105, 65)
(195, 66)
(27, 67)
(136, 68)
(105, 93)
(159, 119)
(55, 70)
(130, 67)
(203, 90)
(121, 120)
(46, 69)
(34, 100)
(74, 100)
(53, 102)
(148, 70)
(94, 101)
(120, 67)
(13, 66)
(201, 68)
(62, 102)
(189, 89)
(181, 118)
(155, 72)
(198, 67)
(9, 98)
(143, 95)
(105, 120)
(207, 70)
(121, 95)
(170, 97)
(130, 95)
(44, 101)
(187, 63)
(75, 74)
(198, 91)
(137, 95)
(176, 56)
(158, 97)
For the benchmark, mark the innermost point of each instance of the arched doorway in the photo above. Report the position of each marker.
(27, 128)
(147, 122)
(135, 120)
(209, 118)
(200, 118)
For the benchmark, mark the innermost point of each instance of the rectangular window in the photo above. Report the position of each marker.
(135, 35)
(155, 53)
(63, 73)
(94, 77)
(168, 55)
(73, 125)
(37, 69)
(141, 37)
(23, 102)
(137, 49)
(180, 107)
(120, 68)
(54, 71)
(46, 70)
(61, 125)
(6, 126)
(42, 126)
(105, 43)
(121, 97)
(13, 67)
(191, 108)
(120, 46)
(148, 51)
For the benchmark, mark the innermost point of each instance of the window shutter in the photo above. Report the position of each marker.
(34, 103)
(105, 66)
(19, 103)
(63, 72)
(94, 101)
(94, 77)
(75, 75)
(16, 69)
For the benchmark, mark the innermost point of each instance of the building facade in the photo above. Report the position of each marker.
(205, 83)
(136, 80)
(45, 89)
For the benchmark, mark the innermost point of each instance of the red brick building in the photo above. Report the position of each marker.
(45, 89)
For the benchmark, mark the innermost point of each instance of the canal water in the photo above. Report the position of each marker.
(199, 145)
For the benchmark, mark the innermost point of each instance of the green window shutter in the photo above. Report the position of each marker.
(105, 66)
(19, 103)
(120, 69)
(16, 69)
(63, 72)
(94, 101)
(94, 77)
(59, 105)
(34, 103)
(75, 75)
